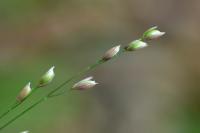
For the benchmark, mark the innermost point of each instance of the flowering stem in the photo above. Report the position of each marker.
(54, 93)
(150, 34)
(89, 68)
(50, 94)
(75, 76)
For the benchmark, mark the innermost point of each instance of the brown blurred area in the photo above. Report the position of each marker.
(150, 91)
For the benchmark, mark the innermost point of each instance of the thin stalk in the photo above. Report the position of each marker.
(53, 94)
(53, 91)
(16, 104)
(13, 107)
(28, 109)
(19, 115)
(89, 68)
(76, 75)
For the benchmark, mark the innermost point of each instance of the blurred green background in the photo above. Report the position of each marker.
(155, 90)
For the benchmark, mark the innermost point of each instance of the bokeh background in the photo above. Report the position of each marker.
(154, 90)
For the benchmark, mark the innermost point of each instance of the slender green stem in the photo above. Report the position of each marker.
(22, 113)
(51, 94)
(16, 104)
(54, 93)
(9, 109)
(28, 109)
(75, 76)
(89, 68)
(99, 62)
(59, 93)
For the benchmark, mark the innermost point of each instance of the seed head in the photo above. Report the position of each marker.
(24, 92)
(84, 84)
(111, 53)
(135, 45)
(47, 77)
(152, 34)
(25, 132)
